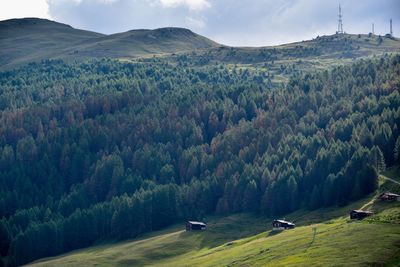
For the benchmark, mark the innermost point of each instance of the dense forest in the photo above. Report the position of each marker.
(105, 150)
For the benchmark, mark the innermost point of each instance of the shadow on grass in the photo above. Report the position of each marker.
(272, 233)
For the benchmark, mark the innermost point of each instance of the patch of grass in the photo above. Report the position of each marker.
(393, 173)
(161, 245)
(244, 240)
(336, 244)
(387, 185)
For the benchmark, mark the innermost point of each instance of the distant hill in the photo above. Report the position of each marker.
(343, 46)
(30, 39)
(145, 42)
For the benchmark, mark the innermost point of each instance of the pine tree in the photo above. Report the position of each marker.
(377, 159)
(5, 238)
(250, 197)
(397, 151)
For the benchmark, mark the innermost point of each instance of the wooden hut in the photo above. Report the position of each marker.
(195, 226)
(360, 214)
(387, 196)
(282, 225)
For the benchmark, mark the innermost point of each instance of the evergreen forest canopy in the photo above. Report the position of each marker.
(102, 149)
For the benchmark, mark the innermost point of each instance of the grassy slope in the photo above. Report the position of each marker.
(338, 241)
(26, 40)
(329, 51)
(32, 39)
(138, 43)
(330, 47)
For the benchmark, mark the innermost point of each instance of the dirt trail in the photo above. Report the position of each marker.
(390, 179)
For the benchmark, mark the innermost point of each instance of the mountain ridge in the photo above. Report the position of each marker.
(33, 39)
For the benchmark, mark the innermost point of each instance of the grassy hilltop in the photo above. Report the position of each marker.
(32, 39)
(245, 240)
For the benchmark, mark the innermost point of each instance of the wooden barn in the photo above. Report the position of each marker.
(194, 226)
(387, 196)
(282, 225)
(360, 214)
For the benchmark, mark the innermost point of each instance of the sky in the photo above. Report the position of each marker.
(230, 22)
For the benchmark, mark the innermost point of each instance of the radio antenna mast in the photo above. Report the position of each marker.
(340, 24)
(391, 29)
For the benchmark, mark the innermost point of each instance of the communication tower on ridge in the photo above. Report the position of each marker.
(391, 29)
(340, 24)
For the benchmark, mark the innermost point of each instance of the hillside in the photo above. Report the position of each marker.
(344, 46)
(97, 150)
(138, 43)
(338, 241)
(281, 61)
(107, 150)
(32, 39)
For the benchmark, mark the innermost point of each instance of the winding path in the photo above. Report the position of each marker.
(390, 179)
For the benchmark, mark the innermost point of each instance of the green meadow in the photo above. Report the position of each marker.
(324, 237)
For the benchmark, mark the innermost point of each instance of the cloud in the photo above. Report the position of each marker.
(22, 8)
(269, 22)
(191, 4)
(111, 16)
(195, 22)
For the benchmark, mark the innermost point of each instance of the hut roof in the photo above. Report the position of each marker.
(390, 194)
(362, 211)
(197, 223)
(285, 222)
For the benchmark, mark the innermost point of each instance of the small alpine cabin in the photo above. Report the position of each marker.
(360, 214)
(195, 226)
(387, 196)
(278, 225)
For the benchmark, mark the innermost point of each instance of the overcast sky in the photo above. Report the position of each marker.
(231, 22)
